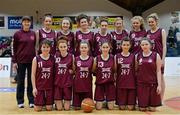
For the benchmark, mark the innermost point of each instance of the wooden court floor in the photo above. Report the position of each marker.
(171, 103)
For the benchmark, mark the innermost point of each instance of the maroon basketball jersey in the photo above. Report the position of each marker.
(136, 37)
(83, 74)
(84, 36)
(98, 38)
(70, 37)
(117, 38)
(50, 36)
(44, 73)
(63, 65)
(125, 71)
(156, 39)
(147, 68)
(104, 70)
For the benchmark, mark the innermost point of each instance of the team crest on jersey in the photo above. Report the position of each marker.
(78, 63)
(32, 37)
(80, 36)
(140, 61)
(150, 60)
(44, 35)
(100, 64)
(133, 35)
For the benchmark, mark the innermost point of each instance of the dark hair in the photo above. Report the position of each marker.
(126, 39)
(62, 39)
(103, 20)
(47, 15)
(46, 41)
(82, 16)
(70, 21)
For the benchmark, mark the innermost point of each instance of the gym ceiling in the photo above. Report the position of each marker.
(137, 7)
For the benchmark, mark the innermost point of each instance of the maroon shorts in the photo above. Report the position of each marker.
(105, 92)
(125, 96)
(44, 97)
(147, 95)
(62, 93)
(79, 96)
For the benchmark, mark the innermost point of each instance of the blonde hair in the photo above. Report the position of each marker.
(141, 20)
(154, 16)
(119, 19)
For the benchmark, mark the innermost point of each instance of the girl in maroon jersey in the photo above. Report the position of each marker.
(137, 33)
(148, 77)
(118, 34)
(104, 70)
(158, 37)
(63, 75)
(83, 33)
(125, 82)
(101, 35)
(42, 77)
(83, 75)
(66, 27)
(46, 32)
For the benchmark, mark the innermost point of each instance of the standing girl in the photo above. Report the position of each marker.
(158, 37)
(24, 51)
(42, 77)
(137, 33)
(83, 34)
(105, 69)
(148, 77)
(125, 82)
(46, 33)
(63, 75)
(101, 35)
(66, 27)
(118, 34)
(83, 75)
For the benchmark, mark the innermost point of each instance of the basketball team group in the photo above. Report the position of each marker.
(127, 66)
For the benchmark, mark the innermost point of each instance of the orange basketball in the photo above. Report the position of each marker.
(87, 105)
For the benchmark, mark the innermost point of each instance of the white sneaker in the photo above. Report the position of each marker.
(21, 105)
(31, 105)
